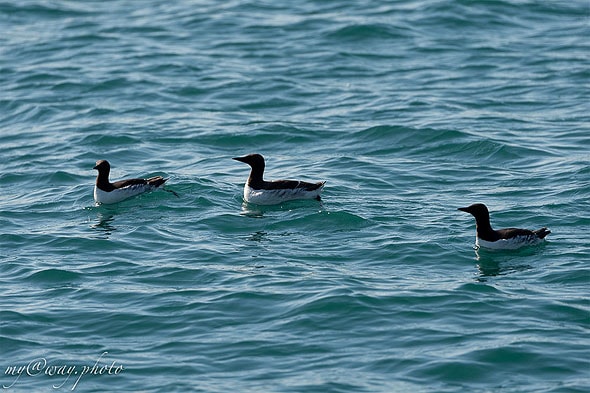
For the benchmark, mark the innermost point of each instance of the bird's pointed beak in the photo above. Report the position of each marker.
(241, 159)
(464, 209)
(95, 167)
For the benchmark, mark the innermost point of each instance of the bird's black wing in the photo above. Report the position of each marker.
(509, 233)
(129, 182)
(291, 185)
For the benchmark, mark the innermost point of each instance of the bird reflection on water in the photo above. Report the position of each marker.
(104, 226)
(500, 263)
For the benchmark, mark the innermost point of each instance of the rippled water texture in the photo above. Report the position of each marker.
(408, 110)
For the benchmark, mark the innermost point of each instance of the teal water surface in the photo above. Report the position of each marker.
(408, 110)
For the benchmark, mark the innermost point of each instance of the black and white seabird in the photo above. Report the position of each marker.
(261, 192)
(501, 239)
(107, 192)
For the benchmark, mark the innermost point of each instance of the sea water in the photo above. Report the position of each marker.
(407, 109)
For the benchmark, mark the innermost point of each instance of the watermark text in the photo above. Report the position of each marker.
(63, 371)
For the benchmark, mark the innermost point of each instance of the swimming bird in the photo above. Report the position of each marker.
(501, 239)
(261, 192)
(107, 192)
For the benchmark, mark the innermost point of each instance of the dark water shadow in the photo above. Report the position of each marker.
(258, 236)
(102, 225)
(493, 263)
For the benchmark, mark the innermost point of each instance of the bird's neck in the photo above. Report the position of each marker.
(255, 177)
(483, 226)
(102, 179)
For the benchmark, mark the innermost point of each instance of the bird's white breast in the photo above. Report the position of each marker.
(509, 244)
(273, 197)
(119, 194)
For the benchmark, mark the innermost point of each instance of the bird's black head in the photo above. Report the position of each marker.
(478, 210)
(102, 165)
(254, 160)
